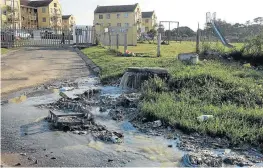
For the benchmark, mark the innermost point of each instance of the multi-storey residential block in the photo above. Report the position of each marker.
(10, 13)
(149, 20)
(46, 13)
(68, 21)
(119, 16)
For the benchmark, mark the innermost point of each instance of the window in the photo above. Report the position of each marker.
(100, 16)
(55, 5)
(126, 24)
(43, 10)
(147, 21)
(118, 15)
(108, 16)
(119, 24)
(126, 15)
(44, 19)
(109, 24)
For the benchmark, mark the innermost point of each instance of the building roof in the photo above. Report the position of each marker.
(118, 8)
(35, 4)
(66, 16)
(24, 2)
(147, 14)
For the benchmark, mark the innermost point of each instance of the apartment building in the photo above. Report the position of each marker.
(10, 13)
(149, 20)
(68, 22)
(128, 16)
(41, 14)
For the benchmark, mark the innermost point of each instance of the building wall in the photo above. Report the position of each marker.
(41, 15)
(68, 23)
(28, 17)
(52, 14)
(151, 22)
(55, 14)
(133, 20)
(6, 15)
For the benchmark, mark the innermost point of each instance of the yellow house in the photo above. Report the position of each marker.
(68, 21)
(149, 20)
(28, 15)
(128, 16)
(10, 13)
(48, 13)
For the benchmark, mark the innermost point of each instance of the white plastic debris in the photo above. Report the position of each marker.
(66, 89)
(204, 117)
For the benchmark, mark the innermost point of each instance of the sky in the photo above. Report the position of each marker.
(187, 12)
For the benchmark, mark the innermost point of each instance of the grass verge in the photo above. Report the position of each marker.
(4, 51)
(231, 93)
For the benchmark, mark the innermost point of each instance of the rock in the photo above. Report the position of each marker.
(75, 132)
(156, 124)
(110, 160)
(18, 164)
(170, 146)
(83, 132)
(23, 154)
(135, 76)
(53, 158)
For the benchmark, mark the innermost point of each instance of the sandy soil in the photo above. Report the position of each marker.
(33, 66)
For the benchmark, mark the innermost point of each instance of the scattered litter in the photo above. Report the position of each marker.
(23, 154)
(66, 89)
(170, 146)
(75, 132)
(204, 117)
(110, 160)
(202, 159)
(223, 151)
(63, 95)
(53, 158)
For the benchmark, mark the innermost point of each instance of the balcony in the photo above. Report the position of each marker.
(33, 17)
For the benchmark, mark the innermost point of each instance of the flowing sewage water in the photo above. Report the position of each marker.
(152, 151)
(30, 128)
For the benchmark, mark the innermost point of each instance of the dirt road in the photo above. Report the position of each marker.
(30, 67)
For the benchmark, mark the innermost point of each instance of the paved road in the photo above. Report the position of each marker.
(34, 66)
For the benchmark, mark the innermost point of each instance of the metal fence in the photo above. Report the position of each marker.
(47, 37)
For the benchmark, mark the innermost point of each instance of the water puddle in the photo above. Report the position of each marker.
(156, 150)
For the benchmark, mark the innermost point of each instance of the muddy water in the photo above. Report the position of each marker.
(29, 123)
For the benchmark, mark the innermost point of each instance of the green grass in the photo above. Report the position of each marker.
(4, 51)
(171, 50)
(231, 93)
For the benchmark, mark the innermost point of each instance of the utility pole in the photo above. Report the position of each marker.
(197, 40)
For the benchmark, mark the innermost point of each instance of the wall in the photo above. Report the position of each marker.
(42, 15)
(17, 18)
(104, 37)
(50, 13)
(132, 19)
(56, 14)
(28, 17)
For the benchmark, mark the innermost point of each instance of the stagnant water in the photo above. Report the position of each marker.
(153, 150)
(28, 120)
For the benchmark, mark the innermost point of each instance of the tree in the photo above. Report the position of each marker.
(152, 34)
(258, 20)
